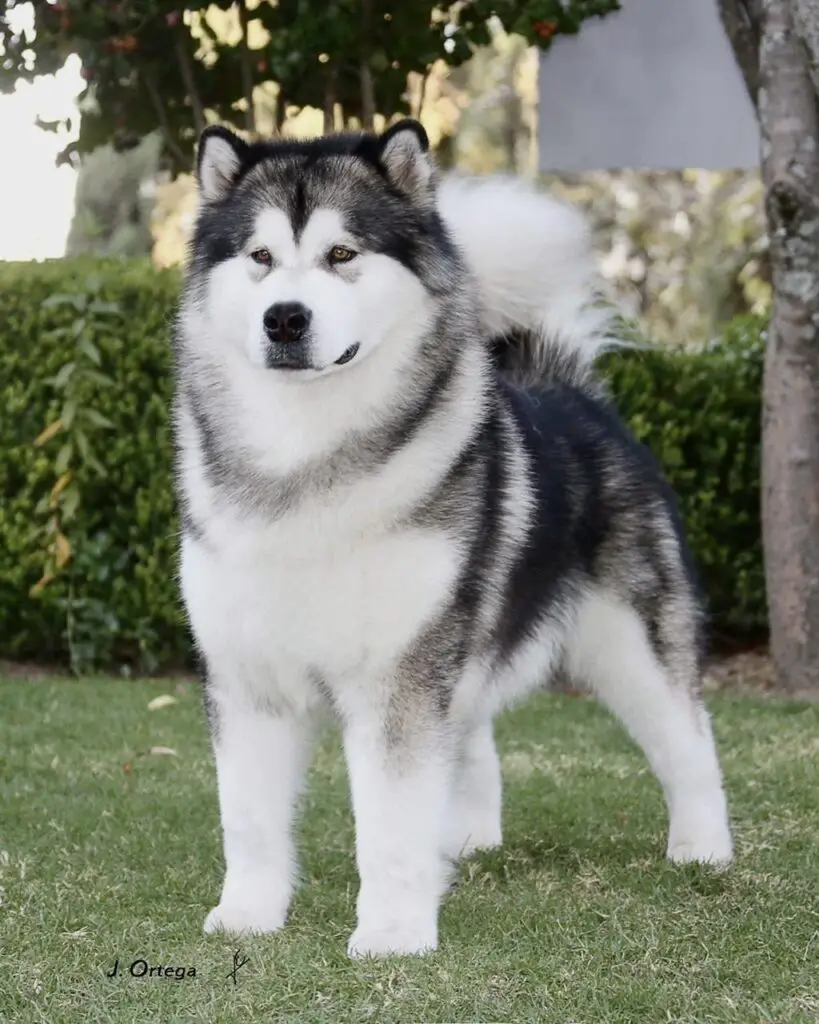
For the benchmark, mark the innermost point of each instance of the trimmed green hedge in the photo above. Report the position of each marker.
(700, 413)
(118, 601)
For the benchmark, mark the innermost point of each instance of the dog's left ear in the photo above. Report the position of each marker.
(404, 155)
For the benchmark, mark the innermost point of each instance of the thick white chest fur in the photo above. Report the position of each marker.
(279, 605)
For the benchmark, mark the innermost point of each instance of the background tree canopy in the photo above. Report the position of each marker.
(175, 65)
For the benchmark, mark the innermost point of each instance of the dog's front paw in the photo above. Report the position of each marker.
(244, 920)
(715, 850)
(701, 835)
(393, 940)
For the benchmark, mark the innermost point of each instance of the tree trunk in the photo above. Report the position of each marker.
(789, 121)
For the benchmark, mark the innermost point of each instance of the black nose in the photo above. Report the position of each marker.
(286, 321)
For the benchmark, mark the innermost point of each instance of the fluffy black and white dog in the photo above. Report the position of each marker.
(391, 515)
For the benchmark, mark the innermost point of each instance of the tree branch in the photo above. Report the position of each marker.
(365, 73)
(330, 101)
(740, 19)
(148, 80)
(247, 70)
(188, 79)
(422, 94)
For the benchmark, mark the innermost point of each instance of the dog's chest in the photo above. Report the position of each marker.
(287, 602)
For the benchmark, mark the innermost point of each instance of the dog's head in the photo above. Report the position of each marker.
(308, 256)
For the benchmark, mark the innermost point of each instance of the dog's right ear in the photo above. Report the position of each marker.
(218, 161)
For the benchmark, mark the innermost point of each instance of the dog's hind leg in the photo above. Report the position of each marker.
(609, 650)
(474, 818)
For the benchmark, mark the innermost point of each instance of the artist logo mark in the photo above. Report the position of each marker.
(238, 961)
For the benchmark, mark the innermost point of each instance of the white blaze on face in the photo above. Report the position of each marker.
(365, 301)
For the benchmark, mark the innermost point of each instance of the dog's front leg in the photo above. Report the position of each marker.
(260, 761)
(399, 775)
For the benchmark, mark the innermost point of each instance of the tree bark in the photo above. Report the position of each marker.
(789, 121)
(806, 21)
(247, 69)
(740, 19)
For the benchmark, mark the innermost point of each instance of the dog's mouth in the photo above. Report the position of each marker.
(347, 354)
(293, 361)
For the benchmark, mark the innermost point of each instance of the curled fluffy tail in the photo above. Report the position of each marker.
(533, 259)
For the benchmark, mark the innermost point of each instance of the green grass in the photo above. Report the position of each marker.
(578, 918)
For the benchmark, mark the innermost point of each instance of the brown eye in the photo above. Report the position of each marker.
(262, 257)
(341, 254)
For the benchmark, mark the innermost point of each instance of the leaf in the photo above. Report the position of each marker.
(70, 504)
(64, 375)
(98, 378)
(165, 700)
(164, 750)
(62, 551)
(97, 419)
(96, 465)
(57, 300)
(105, 308)
(41, 584)
(61, 484)
(88, 348)
(48, 433)
(64, 456)
(82, 445)
(69, 412)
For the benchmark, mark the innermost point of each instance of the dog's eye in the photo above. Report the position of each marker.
(262, 257)
(341, 254)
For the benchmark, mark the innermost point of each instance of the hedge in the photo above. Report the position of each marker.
(117, 601)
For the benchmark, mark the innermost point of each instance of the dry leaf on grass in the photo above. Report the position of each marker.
(164, 701)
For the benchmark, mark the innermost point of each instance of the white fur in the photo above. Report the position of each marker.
(315, 606)
(533, 259)
(366, 301)
(608, 649)
(218, 164)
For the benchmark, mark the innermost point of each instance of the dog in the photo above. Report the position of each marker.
(405, 503)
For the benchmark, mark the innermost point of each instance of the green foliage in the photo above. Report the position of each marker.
(116, 598)
(171, 64)
(700, 413)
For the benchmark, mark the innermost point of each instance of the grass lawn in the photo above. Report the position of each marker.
(109, 851)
